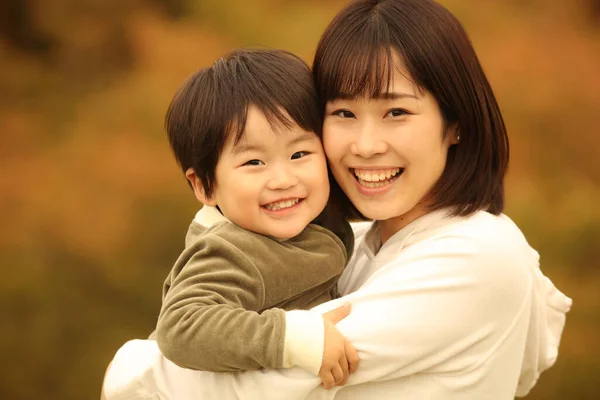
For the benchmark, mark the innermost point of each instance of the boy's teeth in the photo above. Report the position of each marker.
(376, 176)
(279, 205)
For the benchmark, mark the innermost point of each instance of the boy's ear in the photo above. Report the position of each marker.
(199, 189)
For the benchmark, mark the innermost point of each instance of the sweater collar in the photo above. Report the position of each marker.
(208, 216)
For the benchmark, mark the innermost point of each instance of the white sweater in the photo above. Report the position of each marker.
(448, 308)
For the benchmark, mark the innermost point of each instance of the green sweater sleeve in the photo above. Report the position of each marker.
(210, 316)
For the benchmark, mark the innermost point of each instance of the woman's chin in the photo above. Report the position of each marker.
(376, 212)
(382, 211)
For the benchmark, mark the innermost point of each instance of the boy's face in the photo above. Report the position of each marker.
(272, 182)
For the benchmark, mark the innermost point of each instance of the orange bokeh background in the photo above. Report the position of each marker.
(94, 209)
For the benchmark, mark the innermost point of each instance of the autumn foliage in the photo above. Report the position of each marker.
(94, 209)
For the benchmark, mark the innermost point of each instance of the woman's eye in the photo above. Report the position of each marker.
(299, 154)
(397, 112)
(343, 113)
(253, 162)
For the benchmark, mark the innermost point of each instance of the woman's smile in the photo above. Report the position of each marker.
(376, 178)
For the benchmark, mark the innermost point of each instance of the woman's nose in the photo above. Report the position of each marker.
(368, 142)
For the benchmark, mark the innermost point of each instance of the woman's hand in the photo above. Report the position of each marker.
(339, 356)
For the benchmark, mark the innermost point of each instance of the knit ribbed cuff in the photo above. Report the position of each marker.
(304, 340)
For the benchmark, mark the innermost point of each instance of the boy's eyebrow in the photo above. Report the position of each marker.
(244, 147)
(247, 147)
(305, 136)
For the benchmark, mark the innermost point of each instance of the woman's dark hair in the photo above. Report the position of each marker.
(212, 105)
(355, 58)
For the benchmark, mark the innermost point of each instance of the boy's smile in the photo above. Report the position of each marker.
(282, 205)
(274, 180)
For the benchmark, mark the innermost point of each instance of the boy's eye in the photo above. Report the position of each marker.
(397, 112)
(299, 154)
(253, 162)
(343, 113)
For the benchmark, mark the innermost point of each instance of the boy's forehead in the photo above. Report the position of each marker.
(252, 140)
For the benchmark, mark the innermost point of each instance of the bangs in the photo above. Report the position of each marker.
(362, 71)
(360, 65)
(277, 116)
(359, 57)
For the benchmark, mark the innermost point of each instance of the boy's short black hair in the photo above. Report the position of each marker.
(211, 107)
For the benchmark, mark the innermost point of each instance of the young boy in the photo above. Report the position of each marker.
(246, 132)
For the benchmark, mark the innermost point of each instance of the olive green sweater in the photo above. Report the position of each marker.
(224, 300)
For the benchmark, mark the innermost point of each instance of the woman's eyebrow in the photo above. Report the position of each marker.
(378, 96)
(395, 96)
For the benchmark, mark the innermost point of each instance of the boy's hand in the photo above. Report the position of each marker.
(339, 356)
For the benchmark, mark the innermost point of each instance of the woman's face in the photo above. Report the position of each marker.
(387, 152)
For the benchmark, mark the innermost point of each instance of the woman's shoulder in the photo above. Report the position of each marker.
(479, 241)
(483, 228)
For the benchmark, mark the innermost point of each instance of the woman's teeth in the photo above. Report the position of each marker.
(280, 205)
(379, 178)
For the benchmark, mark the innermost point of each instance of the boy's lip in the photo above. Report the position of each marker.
(282, 199)
(285, 209)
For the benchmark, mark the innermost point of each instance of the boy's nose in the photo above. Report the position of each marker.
(282, 178)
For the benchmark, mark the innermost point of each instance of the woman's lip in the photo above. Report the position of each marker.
(378, 171)
(376, 190)
(375, 168)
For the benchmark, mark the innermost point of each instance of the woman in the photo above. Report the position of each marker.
(447, 298)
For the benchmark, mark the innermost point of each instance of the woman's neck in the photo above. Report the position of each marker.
(389, 227)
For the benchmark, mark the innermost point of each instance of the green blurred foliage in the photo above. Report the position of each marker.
(95, 210)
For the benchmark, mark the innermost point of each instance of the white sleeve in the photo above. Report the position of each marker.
(415, 314)
(140, 372)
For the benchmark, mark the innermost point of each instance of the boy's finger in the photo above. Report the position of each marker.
(328, 380)
(351, 356)
(338, 314)
(337, 373)
(344, 365)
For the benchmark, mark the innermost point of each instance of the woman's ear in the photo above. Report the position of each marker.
(453, 134)
(199, 188)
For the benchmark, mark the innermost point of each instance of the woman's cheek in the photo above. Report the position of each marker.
(332, 141)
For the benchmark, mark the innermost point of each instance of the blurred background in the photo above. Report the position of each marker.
(94, 210)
